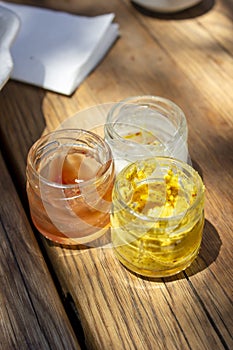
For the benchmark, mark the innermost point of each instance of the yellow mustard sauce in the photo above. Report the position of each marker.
(156, 233)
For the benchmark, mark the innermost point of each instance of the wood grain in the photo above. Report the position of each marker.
(188, 59)
(31, 312)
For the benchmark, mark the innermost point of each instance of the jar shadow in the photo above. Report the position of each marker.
(195, 11)
(197, 167)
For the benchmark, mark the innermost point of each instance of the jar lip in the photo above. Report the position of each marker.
(187, 167)
(145, 100)
(39, 143)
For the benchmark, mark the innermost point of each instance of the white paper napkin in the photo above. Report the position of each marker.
(57, 50)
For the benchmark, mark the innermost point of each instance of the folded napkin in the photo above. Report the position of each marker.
(57, 50)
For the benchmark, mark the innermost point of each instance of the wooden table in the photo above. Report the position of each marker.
(188, 58)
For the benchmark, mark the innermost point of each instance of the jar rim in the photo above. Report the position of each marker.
(37, 145)
(146, 100)
(180, 164)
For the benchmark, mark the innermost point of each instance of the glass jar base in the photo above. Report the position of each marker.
(68, 241)
(169, 271)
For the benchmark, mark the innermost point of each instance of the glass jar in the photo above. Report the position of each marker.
(70, 176)
(146, 126)
(157, 216)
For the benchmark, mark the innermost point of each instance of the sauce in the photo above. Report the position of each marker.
(143, 137)
(155, 233)
(70, 198)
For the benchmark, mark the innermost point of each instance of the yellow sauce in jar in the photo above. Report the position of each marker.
(157, 217)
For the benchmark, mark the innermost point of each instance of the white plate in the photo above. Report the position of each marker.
(166, 6)
(9, 26)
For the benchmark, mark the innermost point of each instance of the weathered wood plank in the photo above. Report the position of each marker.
(31, 312)
(188, 60)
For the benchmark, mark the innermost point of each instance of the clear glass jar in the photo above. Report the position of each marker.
(70, 176)
(157, 216)
(146, 126)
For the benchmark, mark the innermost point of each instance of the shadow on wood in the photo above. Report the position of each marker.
(195, 11)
